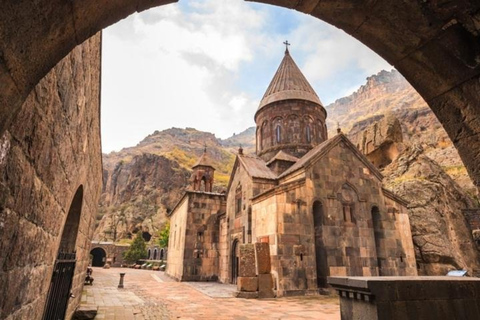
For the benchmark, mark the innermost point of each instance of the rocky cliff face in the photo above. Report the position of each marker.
(142, 183)
(138, 194)
(442, 238)
(389, 93)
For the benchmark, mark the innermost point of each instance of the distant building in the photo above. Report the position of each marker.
(106, 252)
(318, 202)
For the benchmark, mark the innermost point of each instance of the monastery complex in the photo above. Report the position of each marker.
(313, 206)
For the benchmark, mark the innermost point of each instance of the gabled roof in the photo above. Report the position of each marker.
(255, 167)
(283, 156)
(288, 83)
(203, 161)
(323, 148)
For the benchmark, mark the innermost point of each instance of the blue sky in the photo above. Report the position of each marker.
(206, 64)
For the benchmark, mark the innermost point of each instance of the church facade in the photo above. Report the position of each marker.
(318, 202)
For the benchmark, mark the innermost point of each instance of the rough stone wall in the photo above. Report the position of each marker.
(200, 260)
(285, 218)
(176, 242)
(293, 116)
(223, 252)
(352, 244)
(50, 150)
(237, 221)
(193, 253)
(240, 225)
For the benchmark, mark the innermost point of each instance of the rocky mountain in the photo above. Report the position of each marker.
(246, 139)
(441, 236)
(142, 183)
(389, 93)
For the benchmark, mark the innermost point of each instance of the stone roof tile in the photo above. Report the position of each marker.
(256, 167)
(203, 161)
(281, 155)
(289, 83)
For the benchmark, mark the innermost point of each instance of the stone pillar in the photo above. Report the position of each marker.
(247, 281)
(120, 284)
(263, 266)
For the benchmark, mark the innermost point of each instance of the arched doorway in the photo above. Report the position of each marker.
(99, 257)
(64, 268)
(320, 251)
(235, 260)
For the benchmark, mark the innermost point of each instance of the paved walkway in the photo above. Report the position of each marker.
(150, 295)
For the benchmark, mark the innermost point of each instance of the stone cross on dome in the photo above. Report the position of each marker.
(286, 43)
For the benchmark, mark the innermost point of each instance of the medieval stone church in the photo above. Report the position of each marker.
(318, 202)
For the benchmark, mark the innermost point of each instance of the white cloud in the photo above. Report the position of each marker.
(205, 64)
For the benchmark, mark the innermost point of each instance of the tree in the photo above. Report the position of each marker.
(137, 250)
(163, 235)
(116, 219)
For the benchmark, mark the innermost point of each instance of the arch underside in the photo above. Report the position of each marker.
(435, 45)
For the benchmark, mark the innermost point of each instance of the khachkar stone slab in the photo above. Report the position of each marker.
(246, 264)
(265, 286)
(262, 256)
(408, 298)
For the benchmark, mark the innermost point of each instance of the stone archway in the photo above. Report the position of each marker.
(99, 257)
(436, 46)
(65, 263)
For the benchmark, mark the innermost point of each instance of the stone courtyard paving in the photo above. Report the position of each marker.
(150, 295)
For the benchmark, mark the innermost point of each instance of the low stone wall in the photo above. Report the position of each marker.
(408, 298)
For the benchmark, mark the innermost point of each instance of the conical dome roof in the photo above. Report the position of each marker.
(203, 160)
(289, 83)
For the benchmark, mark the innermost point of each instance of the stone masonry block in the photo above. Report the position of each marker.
(265, 286)
(262, 257)
(248, 284)
(246, 266)
(300, 250)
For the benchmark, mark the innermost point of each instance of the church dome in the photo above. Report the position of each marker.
(288, 83)
(290, 117)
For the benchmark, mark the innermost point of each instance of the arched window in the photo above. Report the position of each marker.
(348, 197)
(259, 138)
(263, 135)
(238, 200)
(278, 133)
(309, 134)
